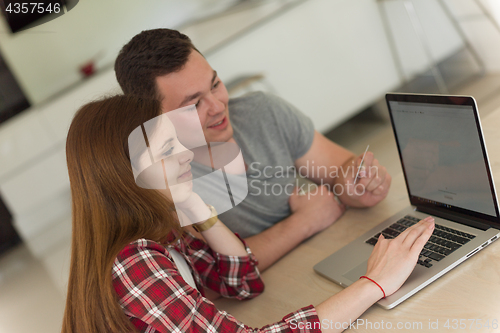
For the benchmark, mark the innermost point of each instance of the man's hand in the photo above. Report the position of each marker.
(317, 208)
(371, 185)
(327, 155)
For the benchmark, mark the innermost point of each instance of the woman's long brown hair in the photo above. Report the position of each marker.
(108, 209)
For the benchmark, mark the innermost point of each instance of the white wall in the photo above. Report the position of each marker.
(481, 32)
(45, 59)
(494, 6)
(438, 34)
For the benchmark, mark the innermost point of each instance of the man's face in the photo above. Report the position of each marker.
(197, 83)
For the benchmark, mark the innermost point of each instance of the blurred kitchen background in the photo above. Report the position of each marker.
(333, 59)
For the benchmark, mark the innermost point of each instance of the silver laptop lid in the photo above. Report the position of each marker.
(444, 159)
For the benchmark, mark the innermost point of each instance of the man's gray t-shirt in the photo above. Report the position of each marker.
(272, 134)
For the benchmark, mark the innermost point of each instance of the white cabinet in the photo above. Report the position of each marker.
(33, 175)
(59, 113)
(21, 140)
(39, 194)
(330, 58)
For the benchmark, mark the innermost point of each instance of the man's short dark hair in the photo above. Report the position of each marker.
(148, 55)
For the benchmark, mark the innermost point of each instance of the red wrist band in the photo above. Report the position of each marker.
(378, 285)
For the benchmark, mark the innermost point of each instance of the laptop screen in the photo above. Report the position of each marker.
(443, 156)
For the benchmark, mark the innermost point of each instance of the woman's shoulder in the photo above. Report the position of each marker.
(139, 256)
(144, 247)
(141, 247)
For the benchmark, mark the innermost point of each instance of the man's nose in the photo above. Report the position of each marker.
(215, 106)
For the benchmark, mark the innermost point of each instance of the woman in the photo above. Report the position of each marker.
(133, 268)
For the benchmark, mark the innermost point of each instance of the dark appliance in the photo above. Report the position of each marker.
(8, 235)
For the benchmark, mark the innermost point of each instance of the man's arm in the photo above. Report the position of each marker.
(315, 211)
(311, 213)
(330, 164)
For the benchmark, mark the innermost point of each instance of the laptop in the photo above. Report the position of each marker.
(448, 176)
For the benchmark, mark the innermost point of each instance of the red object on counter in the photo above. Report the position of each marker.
(88, 69)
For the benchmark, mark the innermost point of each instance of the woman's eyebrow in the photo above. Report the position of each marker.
(166, 143)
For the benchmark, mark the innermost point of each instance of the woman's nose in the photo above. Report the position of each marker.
(186, 156)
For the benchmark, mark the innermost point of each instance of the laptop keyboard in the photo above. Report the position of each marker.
(443, 241)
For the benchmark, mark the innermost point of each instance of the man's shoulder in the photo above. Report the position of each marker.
(248, 102)
(264, 116)
(258, 106)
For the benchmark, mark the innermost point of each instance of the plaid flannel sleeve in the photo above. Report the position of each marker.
(230, 276)
(156, 298)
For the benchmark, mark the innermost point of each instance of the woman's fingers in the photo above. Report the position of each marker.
(380, 245)
(408, 236)
(392, 261)
(419, 243)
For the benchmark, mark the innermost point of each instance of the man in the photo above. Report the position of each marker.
(275, 139)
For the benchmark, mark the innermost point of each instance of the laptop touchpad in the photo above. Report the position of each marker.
(358, 271)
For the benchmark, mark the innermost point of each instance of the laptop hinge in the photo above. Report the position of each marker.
(454, 218)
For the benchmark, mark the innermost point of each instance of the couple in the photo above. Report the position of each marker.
(134, 267)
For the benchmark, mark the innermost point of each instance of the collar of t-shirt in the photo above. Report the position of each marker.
(183, 267)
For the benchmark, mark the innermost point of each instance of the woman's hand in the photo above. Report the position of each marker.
(218, 237)
(393, 260)
(194, 208)
(390, 264)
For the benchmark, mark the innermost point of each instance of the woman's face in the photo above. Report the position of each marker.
(175, 161)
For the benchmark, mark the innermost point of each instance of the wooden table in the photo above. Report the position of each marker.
(470, 291)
